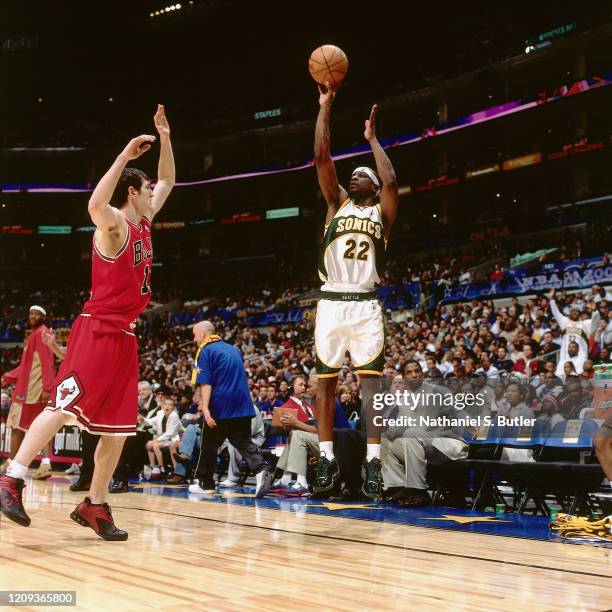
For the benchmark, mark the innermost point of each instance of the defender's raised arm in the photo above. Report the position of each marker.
(165, 169)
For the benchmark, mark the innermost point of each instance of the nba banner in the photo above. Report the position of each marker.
(291, 315)
(407, 295)
(590, 263)
(570, 279)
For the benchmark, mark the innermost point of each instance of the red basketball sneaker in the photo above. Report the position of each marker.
(100, 518)
(11, 504)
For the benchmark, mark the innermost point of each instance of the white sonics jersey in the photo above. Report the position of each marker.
(352, 253)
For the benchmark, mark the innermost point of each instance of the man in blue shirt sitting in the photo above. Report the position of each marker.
(227, 408)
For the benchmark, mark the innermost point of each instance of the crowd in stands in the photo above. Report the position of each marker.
(464, 348)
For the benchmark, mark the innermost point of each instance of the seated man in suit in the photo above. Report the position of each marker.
(306, 411)
(406, 450)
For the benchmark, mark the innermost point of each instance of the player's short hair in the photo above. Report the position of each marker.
(130, 177)
(412, 361)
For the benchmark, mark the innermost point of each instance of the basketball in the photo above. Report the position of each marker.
(328, 63)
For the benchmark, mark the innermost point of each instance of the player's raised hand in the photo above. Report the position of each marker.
(137, 146)
(370, 124)
(551, 294)
(161, 122)
(326, 93)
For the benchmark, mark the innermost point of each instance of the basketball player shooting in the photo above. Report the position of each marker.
(349, 315)
(97, 384)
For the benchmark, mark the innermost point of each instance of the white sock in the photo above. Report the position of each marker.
(286, 478)
(16, 470)
(327, 450)
(301, 481)
(45, 461)
(373, 452)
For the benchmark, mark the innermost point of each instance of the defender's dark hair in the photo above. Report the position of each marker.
(130, 177)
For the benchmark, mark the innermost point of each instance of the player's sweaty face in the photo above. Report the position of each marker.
(361, 184)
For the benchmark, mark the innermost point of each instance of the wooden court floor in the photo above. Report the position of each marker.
(202, 555)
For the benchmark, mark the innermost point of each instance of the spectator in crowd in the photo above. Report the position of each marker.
(575, 332)
(601, 325)
(532, 363)
(489, 370)
(587, 369)
(284, 390)
(167, 427)
(186, 449)
(574, 401)
(5, 405)
(569, 371)
(502, 363)
(550, 385)
(603, 357)
(516, 396)
(305, 410)
(271, 400)
(497, 274)
(147, 404)
(303, 442)
(550, 413)
(407, 450)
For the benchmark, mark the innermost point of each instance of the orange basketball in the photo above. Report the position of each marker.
(328, 63)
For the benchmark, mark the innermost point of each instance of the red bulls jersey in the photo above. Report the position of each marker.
(121, 285)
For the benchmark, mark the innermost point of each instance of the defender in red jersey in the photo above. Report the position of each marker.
(97, 384)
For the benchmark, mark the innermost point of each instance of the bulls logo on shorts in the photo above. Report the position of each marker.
(67, 392)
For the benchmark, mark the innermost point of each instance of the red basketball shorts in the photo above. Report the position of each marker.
(97, 382)
(21, 415)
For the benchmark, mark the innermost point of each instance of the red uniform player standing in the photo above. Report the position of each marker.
(97, 385)
(33, 380)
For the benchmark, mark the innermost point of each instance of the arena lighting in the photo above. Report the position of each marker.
(166, 9)
(401, 140)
